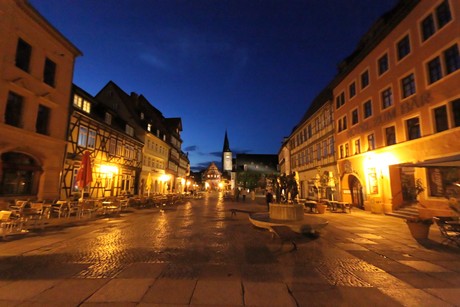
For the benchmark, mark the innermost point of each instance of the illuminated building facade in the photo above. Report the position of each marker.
(116, 152)
(397, 108)
(212, 177)
(36, 69)
(312, 150)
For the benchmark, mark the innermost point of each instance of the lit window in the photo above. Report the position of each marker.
(403, 47)
(387, 98)
(408, 86)
(357, 146)
(91, 139)
(86, 106)
(149, 127)
(371, 142)
(77, 101)
(82, 136)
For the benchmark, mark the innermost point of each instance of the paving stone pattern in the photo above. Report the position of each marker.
(197, 253)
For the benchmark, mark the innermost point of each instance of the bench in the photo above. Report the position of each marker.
(449, 227)
(285, 234)
(10, 226)
(233, 211)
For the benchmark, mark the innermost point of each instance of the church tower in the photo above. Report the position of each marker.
(226, 156)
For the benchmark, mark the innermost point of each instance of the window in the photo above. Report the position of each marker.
(443, 14)
(119, 148)
(23, 53)
(149, 127)
(387, 98)
(82, 136)
(341, 152)
(357, 146)
(427, 27)
(43, 118)
(440, 119)
(352, 90)
(364, 79)
(318, 151)
(13, 112)
(77, 101)
(108, 118)
(452, 59)
(403, 47)
(367, 109)
(370, 142)
(324, 148)
(434, 70)
(113, 146)
(91, 139)
(408, 86)
(390, 136)
(354, 117)
(383, 64)
(342, 124)
(331, 146)
(20, 174)
(86, 106)
(49, 73)
(129, 130)
(413, 128)
(340, 100)
(347, 150)
(456, 112)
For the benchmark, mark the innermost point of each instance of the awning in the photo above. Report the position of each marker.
(450, 161)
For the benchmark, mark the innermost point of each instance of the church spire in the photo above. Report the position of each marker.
(226, 143)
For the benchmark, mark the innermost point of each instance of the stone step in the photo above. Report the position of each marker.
(405, 212)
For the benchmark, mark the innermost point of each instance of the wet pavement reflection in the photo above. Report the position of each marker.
(201, 239)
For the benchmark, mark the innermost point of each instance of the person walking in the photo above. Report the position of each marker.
(268, 199)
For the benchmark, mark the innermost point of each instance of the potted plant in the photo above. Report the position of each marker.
(419, 227)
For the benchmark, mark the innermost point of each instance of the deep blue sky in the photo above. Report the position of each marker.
(250, 67)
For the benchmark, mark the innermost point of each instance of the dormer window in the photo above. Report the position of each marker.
(149, 127)
(108, 118)
(81, 103)
(129, 130)
(141, 115)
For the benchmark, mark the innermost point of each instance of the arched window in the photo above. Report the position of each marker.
(19, 174)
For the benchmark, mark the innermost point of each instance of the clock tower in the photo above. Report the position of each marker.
(226, 157)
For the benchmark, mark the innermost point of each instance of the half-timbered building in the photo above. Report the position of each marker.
(116, 151)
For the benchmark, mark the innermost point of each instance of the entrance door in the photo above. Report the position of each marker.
(356, 190)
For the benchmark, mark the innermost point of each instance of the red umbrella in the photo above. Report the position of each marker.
(85, 173)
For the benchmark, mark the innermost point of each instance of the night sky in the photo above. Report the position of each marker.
(250, 67)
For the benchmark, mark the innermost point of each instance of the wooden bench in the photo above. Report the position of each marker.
(285, 234)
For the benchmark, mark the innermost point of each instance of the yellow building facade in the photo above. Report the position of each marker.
(397, 109)
(36, 70)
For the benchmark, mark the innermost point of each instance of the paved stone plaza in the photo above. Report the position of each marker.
(197, 253)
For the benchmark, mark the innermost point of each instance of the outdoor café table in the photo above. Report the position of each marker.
(311, 204)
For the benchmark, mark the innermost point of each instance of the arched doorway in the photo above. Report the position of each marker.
(352, 190)
(356, 191)
(19, 174)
